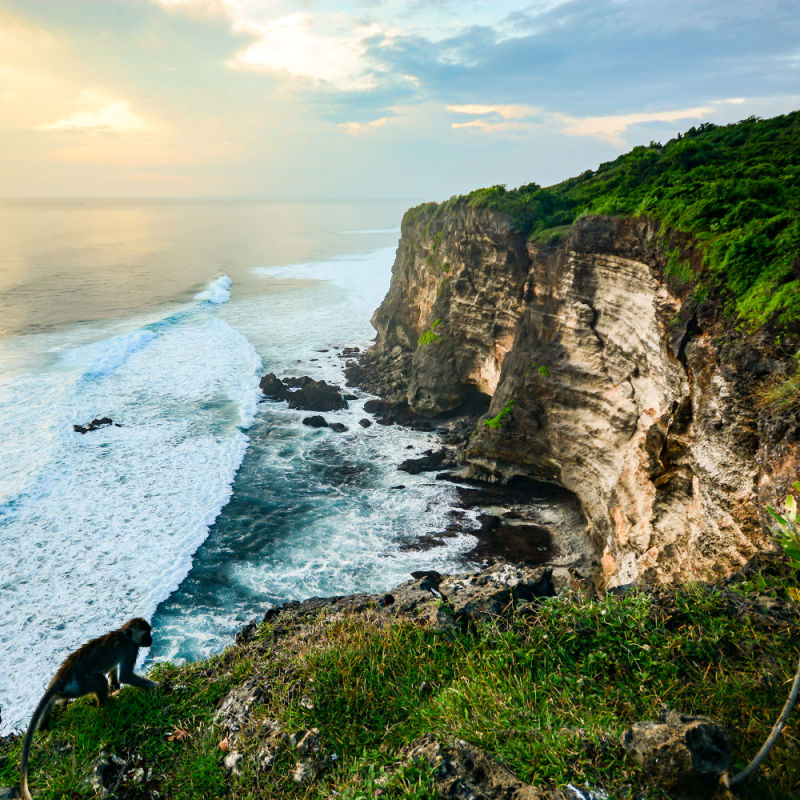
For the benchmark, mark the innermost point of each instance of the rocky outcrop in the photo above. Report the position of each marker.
(680, 752)
(604, 375)
(303, 393)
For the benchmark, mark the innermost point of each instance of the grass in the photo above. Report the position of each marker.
(548, 692)
(781, 391)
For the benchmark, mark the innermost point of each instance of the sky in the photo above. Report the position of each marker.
(418, 99)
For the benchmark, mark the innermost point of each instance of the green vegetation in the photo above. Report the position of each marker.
(787, 531)
(497, 422)
(547, 692)
(782, 392)
(429, 337)
(735, 188)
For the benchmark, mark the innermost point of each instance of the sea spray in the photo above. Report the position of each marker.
(105, 525)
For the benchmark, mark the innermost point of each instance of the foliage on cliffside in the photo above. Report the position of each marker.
(547, 691)
(736, 188)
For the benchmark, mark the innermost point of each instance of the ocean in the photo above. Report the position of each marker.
(202, 505)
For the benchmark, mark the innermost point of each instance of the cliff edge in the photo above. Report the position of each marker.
(602, 374)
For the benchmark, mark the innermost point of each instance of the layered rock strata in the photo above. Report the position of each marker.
(604, 377)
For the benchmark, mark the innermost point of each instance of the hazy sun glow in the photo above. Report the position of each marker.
(301, 98)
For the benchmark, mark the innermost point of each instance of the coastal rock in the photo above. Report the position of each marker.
(113, 775)
(236, 708)
(102, 422)
(305, 394)
(681, 752)
(431, 461)
(604, 376)
(315, 421)
(462, 771)
(443, 601)
(339, 427)
(272, 386)
(273, 740)
(447, 600)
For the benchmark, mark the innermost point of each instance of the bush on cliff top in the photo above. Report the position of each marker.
(736, 188)
(547, 692)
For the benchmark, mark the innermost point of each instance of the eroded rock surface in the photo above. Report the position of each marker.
(463, 771)
(681, 752)
(605, 377)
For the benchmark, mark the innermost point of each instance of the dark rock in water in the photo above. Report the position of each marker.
(272, 387)
(432, 460)
(95, 424)
(365, 423)
(680, 752)
(303, 393)
(350, 351)
(317, 421)
(339, 427)
(351, 397)
(519, 543)
(310, 395)
(396, 414)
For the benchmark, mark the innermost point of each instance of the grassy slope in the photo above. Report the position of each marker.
(520, 688)
(736, 188)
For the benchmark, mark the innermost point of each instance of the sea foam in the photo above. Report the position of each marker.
(112, 517)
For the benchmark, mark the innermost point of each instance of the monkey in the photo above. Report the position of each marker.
(84, 672)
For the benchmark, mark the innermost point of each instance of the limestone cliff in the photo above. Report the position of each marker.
(604, 377)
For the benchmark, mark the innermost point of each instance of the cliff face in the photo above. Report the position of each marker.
(602, 378)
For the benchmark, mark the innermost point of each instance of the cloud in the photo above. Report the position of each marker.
(610, 128)
(99, 114)
(503, 111)
(292, 44)
(356, 128)
(496, 118)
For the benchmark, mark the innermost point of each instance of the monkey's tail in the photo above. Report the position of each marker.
(26, 745)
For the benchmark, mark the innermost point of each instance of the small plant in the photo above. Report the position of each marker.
(787, 532)
(497, 422)
(429, 337)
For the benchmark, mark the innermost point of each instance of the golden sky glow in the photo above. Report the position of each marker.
(320, 97)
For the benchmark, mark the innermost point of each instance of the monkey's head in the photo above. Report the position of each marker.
(138, 631)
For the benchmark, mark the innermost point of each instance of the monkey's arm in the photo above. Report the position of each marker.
(127, 675)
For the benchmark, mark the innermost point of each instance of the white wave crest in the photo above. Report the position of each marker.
(218, 291)
(101, 359)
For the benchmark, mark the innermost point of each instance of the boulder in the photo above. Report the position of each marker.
(431, 461)
(272, 386)
(102, 422)
(316, 421)
(303, 393)
(310, 395)
(680, 752)
(463, 771)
